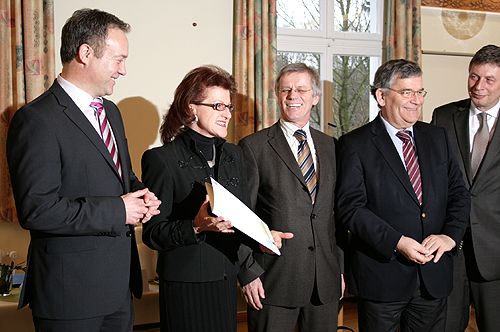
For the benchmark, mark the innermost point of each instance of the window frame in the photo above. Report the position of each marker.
(327, 43)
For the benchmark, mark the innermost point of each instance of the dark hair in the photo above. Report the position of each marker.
(386, 75)
(192, 89)
(489, 54)
(88, 26)
(300, 68)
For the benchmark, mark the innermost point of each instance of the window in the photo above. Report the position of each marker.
(342, 40)
(299, 14)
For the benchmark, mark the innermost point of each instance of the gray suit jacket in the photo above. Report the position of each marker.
(280, 197)
(484, 189)
(82, 257)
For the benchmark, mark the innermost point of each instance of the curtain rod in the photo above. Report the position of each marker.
(448, 53)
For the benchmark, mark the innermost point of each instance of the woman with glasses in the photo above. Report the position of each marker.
(199, 254)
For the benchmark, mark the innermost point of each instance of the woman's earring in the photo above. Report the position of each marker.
(195, 119)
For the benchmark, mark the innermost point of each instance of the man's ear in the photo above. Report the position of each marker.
(380, 96)
(84, 53)
(316, 100)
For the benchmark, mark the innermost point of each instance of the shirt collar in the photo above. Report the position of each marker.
(392, 130)
(492, 111)
(81, 98)
(289, 128)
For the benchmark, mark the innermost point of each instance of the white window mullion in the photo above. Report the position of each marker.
(330, 44)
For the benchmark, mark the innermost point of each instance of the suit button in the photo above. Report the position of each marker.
(423, 215)
(129, 234)
(313, 216)
(311, 248)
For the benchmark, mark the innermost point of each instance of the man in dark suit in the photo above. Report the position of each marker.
(304, 284)
(477, 265)
(75, 192)
(406, 211)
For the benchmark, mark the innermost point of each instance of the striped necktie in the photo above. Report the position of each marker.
(411, 161)
(106, 135)
(306, 163)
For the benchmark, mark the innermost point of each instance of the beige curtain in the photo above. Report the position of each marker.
(27, 70)
(403, 30)
(255, 65)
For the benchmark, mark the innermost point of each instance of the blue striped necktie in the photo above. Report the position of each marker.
(306, 163)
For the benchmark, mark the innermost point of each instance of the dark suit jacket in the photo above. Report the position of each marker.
(376, 201)
(82, 257)
(280, 198)
(176, 172)
(484, 189)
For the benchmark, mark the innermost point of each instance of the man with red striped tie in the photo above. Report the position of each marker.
(75, 190)
(400, 192)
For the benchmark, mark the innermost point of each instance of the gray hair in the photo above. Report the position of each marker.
(387, 74)
(300, 68)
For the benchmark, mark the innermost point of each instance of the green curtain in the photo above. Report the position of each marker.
(403, 30)
(255, 65)
(27, 65)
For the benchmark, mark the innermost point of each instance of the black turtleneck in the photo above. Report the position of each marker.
(203, 143)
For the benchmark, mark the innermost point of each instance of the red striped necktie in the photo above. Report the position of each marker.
(106, 132)
(411, 161)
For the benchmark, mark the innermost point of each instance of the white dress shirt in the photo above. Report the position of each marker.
(474, 121)
(398, 143)
(82, 99)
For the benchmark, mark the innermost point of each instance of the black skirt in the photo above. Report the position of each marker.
(198, 307)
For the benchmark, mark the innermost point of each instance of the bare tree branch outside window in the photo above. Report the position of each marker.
(350, 73)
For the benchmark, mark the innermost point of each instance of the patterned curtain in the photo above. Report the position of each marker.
(27, 70)
(403, 30)
(255, 65)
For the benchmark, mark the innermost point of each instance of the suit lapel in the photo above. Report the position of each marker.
(424, 159)
(490, 155)
(120, 139)
(461, 126)
(279, 144)
(78, 118)
(322, 162)
(386, 147)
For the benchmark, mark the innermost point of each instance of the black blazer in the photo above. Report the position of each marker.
(279, 196)
(376, 201)
(484, 189)
(176, 172)
(82, 257)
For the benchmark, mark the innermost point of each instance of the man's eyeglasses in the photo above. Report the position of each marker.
(409, 93)
(299, 91)
(216, 106)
